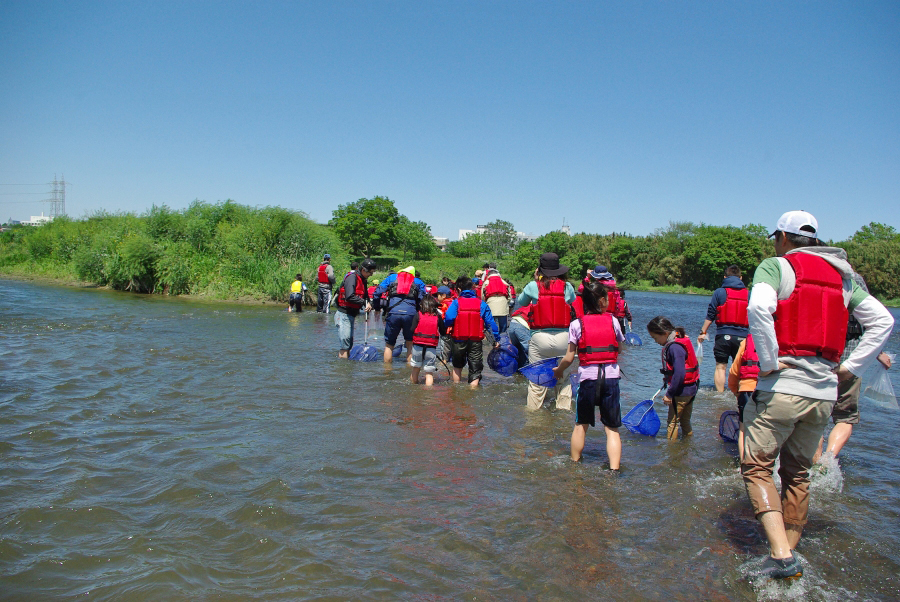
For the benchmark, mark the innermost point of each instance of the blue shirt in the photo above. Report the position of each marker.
(486, 315)
(395, 306)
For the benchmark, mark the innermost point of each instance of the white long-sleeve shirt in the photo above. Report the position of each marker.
(813, 377)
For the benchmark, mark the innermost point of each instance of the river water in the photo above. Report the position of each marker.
(155, 448)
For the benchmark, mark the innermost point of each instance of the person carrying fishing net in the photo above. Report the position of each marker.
(428, 329)
(353, 297)
(595, 336)
(681, 374)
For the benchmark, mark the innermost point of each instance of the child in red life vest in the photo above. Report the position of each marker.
(681, 374)
(595, 337)
(427, 331)
(742, 381)
(469, 316)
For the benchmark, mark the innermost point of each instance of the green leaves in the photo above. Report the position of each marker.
(366, 225)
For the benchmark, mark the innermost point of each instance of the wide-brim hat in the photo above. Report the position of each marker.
(601, 273)
(550, 265)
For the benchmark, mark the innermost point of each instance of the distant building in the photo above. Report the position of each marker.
(38, 220)
(441, 242)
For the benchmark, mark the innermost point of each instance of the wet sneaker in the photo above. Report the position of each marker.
(778, 568)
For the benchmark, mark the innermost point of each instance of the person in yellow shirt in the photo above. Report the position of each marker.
(295, 301)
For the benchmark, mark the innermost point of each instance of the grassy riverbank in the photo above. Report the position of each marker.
(232, 252)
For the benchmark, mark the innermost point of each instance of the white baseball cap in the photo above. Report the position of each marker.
(797, 222)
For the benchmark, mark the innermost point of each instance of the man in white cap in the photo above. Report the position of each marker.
(812, 290)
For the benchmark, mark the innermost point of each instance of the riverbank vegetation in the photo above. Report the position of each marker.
(230, 251)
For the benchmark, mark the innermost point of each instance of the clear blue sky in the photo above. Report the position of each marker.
(617, 116)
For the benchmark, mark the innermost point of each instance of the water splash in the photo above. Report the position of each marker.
(826, 475)
(811, 586)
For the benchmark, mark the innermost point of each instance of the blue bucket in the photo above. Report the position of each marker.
(642, 419)
(541, 373)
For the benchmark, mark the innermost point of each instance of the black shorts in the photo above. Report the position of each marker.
(726, 346)
(590, 395)
(471, 353)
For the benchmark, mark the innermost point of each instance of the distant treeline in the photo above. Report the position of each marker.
(223, 250)
(687, 255)
(226, 250)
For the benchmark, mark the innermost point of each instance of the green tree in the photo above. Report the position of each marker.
(554, 242)
(874, 232)
(366, 225)
(472, 245)
(525, 259)
(500, 237)
(416, 238)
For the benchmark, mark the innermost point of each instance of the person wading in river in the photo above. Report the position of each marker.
(353, 296)
(812, 290)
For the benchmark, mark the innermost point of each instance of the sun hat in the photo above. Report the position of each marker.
(550, 265)
(444, 290)
(601, 273)
(797, 222)
(409, 269)
(375, 281)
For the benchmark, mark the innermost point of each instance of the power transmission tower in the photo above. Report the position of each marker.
(58, 197)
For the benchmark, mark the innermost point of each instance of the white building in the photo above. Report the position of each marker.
(38, 220)
(441, 242)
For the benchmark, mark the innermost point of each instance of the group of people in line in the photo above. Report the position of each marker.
(789, 374)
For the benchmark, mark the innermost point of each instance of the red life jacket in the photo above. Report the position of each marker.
(734, 311)
(322, 277)
(691, 366)
(371, 290)
(551, 309)
(404, 286)
(749, 361)
(616, 304)
(526, 313)
(495, 286)
(360, 291)
(813, 320)
(578, 307)
(598, 343)
(468, 325)
(426, 332)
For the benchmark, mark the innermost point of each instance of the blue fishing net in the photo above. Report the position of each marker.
(505, 359)
(541, 373)
(633, 339)
(364, 353)
(729, 426)
(642, 419)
